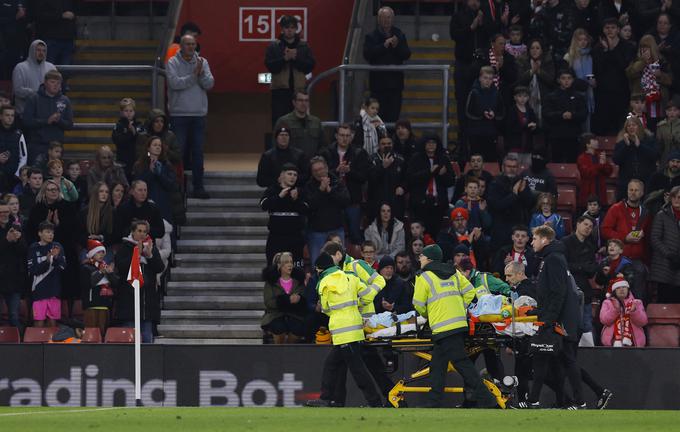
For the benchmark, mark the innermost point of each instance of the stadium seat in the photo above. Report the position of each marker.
(9, 335)
(566, 217)
(565, 174)
(614, 177)
(120, 335)
(566, 199)
(492, 167)
(456, 168)
(611, 195)
(663, 325)
(39, 334)
(607, 143)
(92, 335)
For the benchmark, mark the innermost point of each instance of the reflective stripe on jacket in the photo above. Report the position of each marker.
(338, 295)
(443, 302)
(372, 282)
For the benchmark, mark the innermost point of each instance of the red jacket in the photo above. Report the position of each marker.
(593, 179)
(618, 224)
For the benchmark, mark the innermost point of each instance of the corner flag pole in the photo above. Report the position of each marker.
(136, 279)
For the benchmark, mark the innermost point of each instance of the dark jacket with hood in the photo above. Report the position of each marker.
(128, 211)
(170, 144)
(444, 272)
(12, 262)
(419, 172)
(383, 182)
(396, 291)
(28, 76)
(326, 209)
(11, 140)
(359, 163)
(506, 208)
(634, 162)
(375, 53)
(559, 102)
(580, 257)
(405, 148)
(665, 246)
(276, 302)
(480, 100)
(126, 141)
(39, 107)
(539, 178)
(289, 74)
(271, 161)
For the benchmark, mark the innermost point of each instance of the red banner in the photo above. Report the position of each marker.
(235, 34)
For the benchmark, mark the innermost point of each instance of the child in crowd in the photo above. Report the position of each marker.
(46, 261)
(98, 281)
(55, 170)
(484, 109)
(14, 208)
(545, 215)
(475, 205)
(415, 249)
(594, 211)
(594, 169)
(520, 123)
(626, 34)
(417, 230)
(614, 265)
(514, 45)
(55, 150)
(79, 181)
(368, 253)
(23, 180)
(668, 129)
(623, 317)
(371, 123)
(125, 133)
(638, 108)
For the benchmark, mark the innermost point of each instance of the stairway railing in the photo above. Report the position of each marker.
(343, 69)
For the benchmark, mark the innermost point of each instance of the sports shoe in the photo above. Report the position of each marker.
(604, 399)
(318, 403)
(525, 405)
(576, 407)
(201, 194)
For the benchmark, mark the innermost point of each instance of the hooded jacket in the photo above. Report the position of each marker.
(271, 162)
(580, 256)
(28, 75)
(39, 107)
(187, 93)
(506, 208)
(559, 102)
(326, 209)
(611, 310)
(479, 101)
(419, 173)
(172, 149)
(665, 246)
(396, 242)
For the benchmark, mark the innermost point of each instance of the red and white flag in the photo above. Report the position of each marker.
(135, 277)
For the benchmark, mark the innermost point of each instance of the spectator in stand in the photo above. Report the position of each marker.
(564, 112)
(460, 233)
(614, 265)
(638, 108)
(503, 65)
(350, 165)
(485, 112)
(306, 131)
(284, 301)
(395, 296)
(475, 205)
(14, 209)
(189, 78)
(12, 34)
(47, 114)
(11, 142)
(151, 265)
(97, 220)
(55, 23)
(429, 174)
(579, 58)
(387, 233)
(327, 197)
(55, 150)
(647, 11)
(105, 169)
(621, 10)
(629, 222)
(387, 45)
(662, 181)
(155, 170)
(415, 249)
(515, 44)
(594, 169)
(386, 179)
(31, 190)
(580, 255)
(536, 72)
(29, 75)
(518, 252)
(55, 170)
(404, 269)
(668, 129)
(623, 317)
(157, 124)
(611, 57)
(509, 199)
(188, 28)
(119, 195)
(372, 125)
(46, 262)
(667, 39)
(520, 123)
(368, 254)
(139, 207)
(635, 154)
(12, 263)
(403, 140)
(538, 176)
(289, 60)
(125, 134)
(98, 281)
(23, 180)
(78, 180)
(271, 161)
(665, 245)
(545, 215)
(594, 211)
(417, 230)
(287, 209)
(477, 171)
(651, 75)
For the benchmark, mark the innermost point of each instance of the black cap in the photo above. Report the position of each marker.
(289, 167)
(385, 261)
(281, 129)
(324, 261)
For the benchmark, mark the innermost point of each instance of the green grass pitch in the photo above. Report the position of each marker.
(329, 419)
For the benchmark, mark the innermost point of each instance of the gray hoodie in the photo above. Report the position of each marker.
(28, 75)
(187, 92)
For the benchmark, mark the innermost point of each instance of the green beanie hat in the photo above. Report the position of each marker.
(434, 252)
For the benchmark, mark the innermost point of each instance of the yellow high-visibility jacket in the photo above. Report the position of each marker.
(443, 302)
(372, 280)
(339, 301)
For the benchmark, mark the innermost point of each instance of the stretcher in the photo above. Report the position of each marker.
(483, 335)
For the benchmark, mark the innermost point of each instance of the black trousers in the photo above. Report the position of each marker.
(452, 349)
(572, 369)
(390, 103)
(282, 103)
(343, 357)
(492, 360)
(543, 364)
(376, 367)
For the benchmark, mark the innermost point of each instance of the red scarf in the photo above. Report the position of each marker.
(623, 331)
(613, 265)
(676, 212)
(494, 64)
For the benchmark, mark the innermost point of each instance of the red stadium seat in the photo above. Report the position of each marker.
(566, 199)
(492, 167)
(611, 195)
(39, 334)
(456, 168)
(566, 174)
(664, 325)
(607, 143)
(120, 335)
(92, 335)
(9, 335)
(566, 218)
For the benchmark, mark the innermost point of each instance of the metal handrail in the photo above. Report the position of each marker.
(344, 68)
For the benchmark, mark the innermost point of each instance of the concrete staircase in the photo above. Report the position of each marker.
(422, 97)
(215, 292)
(95, 95)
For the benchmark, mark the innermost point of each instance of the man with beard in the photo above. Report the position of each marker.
(30, 74)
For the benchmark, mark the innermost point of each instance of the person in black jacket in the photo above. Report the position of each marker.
(395, 297)
(386, 45)
(386, 179)
(124, 135)
(287, 210)
(519, 251)
(56, 24)
(485, 112)
(429, 174)
(403, 140)
(138, 208)
(538, 176)
(98, 280)
(327, 197)
(282, 153)
(351, 165)
(521, 123)
(289, 60)
(12, 263)
(564, 112)
(477, 171)
(11, 143)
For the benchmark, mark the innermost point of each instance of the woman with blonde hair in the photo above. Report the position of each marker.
(635, 154)
(283, 301)
(97, 218)
(650, 74)
(580, 60)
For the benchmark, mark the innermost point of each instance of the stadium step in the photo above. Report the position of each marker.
(215, 292)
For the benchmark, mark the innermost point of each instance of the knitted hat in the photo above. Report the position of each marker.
(324, 261)
(617, 282)
(460, 212)
(465, 264)
(674, 154)
(385, 261)
(281, 129)
(461, 248)
(434, 252)
(93, 247)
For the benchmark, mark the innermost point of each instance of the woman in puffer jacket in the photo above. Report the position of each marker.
(623, 317)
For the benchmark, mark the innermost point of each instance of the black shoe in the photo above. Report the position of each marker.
(525, 405)
(334, 404)
(604, 399)
(576, 407)
(318, 403)
(201, 194)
